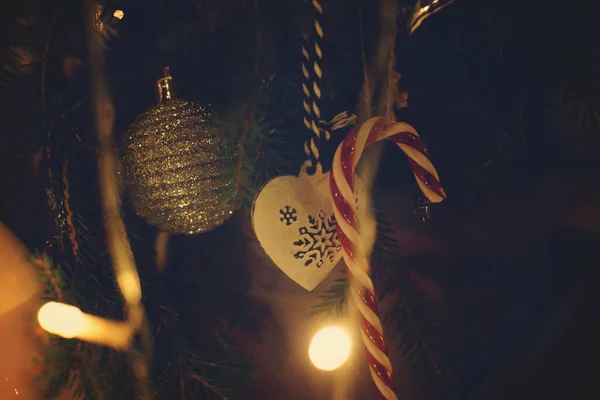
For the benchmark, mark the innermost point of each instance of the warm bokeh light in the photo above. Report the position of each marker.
(129, 283)
(330, 348)
(119, 14)
(70, 322)
(61, 319)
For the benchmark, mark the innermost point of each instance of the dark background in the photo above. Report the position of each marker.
(491, 86)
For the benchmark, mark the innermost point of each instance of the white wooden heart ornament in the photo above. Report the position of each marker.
(294, 223)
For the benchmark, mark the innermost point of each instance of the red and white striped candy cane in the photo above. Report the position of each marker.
(348, 228)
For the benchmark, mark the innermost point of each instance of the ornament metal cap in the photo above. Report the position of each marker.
(164, 86)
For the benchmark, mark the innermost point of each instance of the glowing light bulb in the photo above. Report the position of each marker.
(329, 348)
(119, 14)
(70, 322)
(61, 319)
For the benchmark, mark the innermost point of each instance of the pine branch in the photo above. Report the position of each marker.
(410, 310)
(20, 56)
(257, 126)
(414, 323)
(210, 388)
(579, 105)
(52, 278)
(109, 377)
(250, 107)
(334, 298)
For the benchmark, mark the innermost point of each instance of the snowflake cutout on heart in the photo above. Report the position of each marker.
(317, 240)
(288, 214)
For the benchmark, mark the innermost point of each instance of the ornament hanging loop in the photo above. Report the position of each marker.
(315, 169)
(164, 86)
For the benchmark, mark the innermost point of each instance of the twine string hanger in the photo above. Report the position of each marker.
(312, 74)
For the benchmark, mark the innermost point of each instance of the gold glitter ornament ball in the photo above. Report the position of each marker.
(174, 169)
